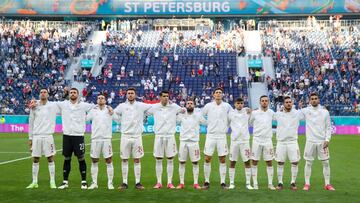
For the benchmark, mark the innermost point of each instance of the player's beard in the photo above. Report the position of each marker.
(190, 110)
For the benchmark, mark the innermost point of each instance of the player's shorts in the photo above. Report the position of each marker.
(215, 143)
(101, 146)
(265, 149)
(74, 144)
(242, 149)
(287, 150)
(191, 148)
(165, 146)
(43, 146)
(131, 147)
(312, 149)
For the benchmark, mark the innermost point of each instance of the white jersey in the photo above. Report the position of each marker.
(318, 125)
(262, 123)
(217, 119)
(132, 117)
(101, 128)
(190, 126)
(74, 117)
(42, 120)
(239, 123)
(287, 125)
(164, 119)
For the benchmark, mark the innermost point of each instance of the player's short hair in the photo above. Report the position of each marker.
(240, 100)
(44, 88)
(263, 97)
(190, 99)
(286, 97)
(164, 92)
(218, 88)
(131, 89)
(101, 94)
(74, 88)
(314, 94)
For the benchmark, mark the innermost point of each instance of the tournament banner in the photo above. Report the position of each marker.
(176, 7)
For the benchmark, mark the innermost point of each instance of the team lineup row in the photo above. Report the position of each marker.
(217, 115)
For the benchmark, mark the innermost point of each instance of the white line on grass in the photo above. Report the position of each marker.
(28, 157)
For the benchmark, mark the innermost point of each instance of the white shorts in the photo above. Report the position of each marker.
(219, 144)
(191, 148)
(101, 146)
(311, 149)
(240, 148)
(165, 146)
(289, 150)
(43, 146)
(266, 149)
(131, 147)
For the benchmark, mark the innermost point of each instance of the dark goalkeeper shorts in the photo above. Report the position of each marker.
(74, 144)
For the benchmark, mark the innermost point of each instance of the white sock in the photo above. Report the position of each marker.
(52, 171)
(222, 170)
(182, 173)
(280, 172)
(137, 171)
(326, 171)
(247, 175)
(125, 171)
(94, 172)
(270, 174)
(254, 170)
(196, 173)
(294, 172)
(35, 172)
(159, 169)
(308, 172)
(170, 170)
(110, 172)
(232, 175)
(207, 171)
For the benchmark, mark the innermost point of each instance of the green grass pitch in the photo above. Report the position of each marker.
(15, 176)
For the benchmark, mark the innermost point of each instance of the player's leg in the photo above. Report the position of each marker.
(208, 151)
(245, 152)
(79, 151)
(67, 150)
(159, 148)
(324, 156)
(108, 154)
(51, 166)
(268, 153)
(36, 154)
(294, 157)
(137, 153)
(255, 157)
(222, 150)
(95, 150)
(183, 152)
(50, 151)
(170, 152)
(309, 154)
(233, 157)
(194, 154)
(280, 157)
(125, 152)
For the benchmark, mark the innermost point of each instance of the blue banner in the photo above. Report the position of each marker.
(87, 63)
(176, 7)
(255, 63)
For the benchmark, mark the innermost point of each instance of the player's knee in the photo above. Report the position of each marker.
(67, 158)
(50, 159)
(136, 161)
(170, 158)
(124, 161)
(309, 163)
(269, 163)
(81, 158)
(108, 160)
(295, 163)
(158, 158)
(182, 162)
(36, 159)
(254, 162)
(247, 164)
(222, 159)
(232, 164)
(195, 163)
(325, 163)
(94, 160)
(281, 163)
(207, 159)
